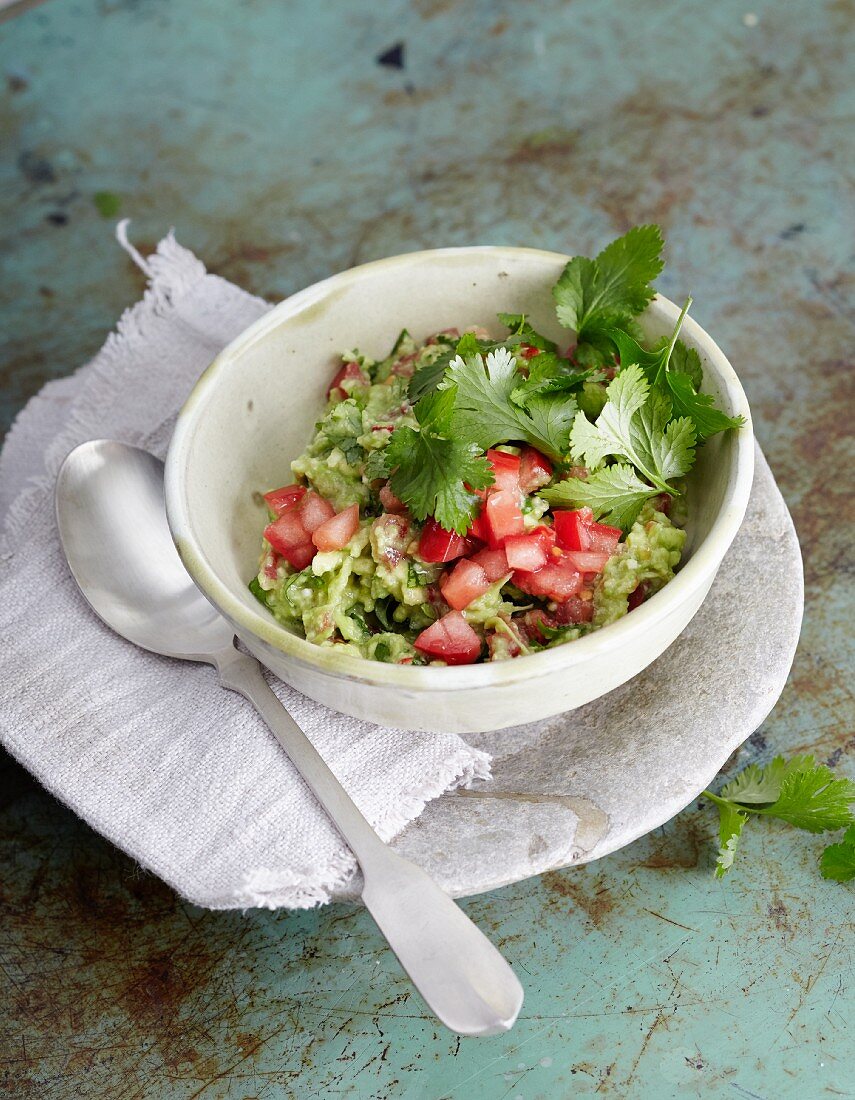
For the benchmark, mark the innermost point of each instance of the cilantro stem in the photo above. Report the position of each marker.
(666, 359)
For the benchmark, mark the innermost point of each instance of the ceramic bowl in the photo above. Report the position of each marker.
(255, 407)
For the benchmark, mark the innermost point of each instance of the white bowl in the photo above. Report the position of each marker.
(255, 407)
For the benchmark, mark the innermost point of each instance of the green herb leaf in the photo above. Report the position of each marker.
(634, 425)
(257, 591)
(615, 494)
(698, 407)
(686, 360)
(592, 295)
(838, 860)
(731, 824)
(519, 326)
(798, 791)
(485, 412)
(429, 476)
(814, 800)
(756, 785)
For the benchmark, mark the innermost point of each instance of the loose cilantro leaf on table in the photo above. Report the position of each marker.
(592, 296)
(838, 860)
(800, 792)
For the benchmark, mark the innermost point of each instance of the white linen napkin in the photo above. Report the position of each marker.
(152, 752)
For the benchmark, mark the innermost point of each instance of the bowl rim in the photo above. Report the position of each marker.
(260, 625)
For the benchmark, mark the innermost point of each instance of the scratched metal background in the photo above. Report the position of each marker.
(268, 134)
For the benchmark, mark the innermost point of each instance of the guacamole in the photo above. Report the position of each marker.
(348, 564)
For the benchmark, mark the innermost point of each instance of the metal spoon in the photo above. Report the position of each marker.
(133, 579)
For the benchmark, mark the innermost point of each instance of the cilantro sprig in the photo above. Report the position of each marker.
(633, 427)
(801, 792)
(483, 393)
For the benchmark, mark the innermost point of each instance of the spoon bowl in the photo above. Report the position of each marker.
(113, 529)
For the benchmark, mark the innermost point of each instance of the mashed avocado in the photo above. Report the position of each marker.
(375, 593)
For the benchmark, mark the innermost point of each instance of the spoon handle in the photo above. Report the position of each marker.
(463, 978)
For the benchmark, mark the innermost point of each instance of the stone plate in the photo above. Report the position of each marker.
(574, 788)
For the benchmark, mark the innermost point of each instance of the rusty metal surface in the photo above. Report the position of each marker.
(282, 151)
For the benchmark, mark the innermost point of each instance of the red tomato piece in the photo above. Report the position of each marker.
(465, 583)
(535, 470)
(350, 371)
(279, 499)
(525, 552)
(506, 470)
(572, 528)
(301, 556)
(287, 532)
(314, 511)
(527, 351)
(493, 562)
(637, 596)
(390, 502)
(555, 581)
(437, 544)
(574, 610)
(478, 528)
(450, 639)
(503, 516)
(336, 532)
(604, 538)
(587, 561)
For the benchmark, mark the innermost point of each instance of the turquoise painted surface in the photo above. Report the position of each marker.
(282, 152)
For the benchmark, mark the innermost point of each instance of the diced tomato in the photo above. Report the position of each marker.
(587, 561)
(506, 470)
(478, 528)
(437, 544)
(301, 556)
(450, 639)
(571, 528)
(555, 581)
(289, 538)
(390, 502)
(535, 470)
(336, 532)
(663, 503)
(525, 552)
(493, 562)
(314, 511)
(503, 516)
(286, 532)
(271, 568)
(465, 583)
(637, 596)
(527, 351)
(574, 610)
(577, 531)
(279, 499)
(604, 538)
(350, 371)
